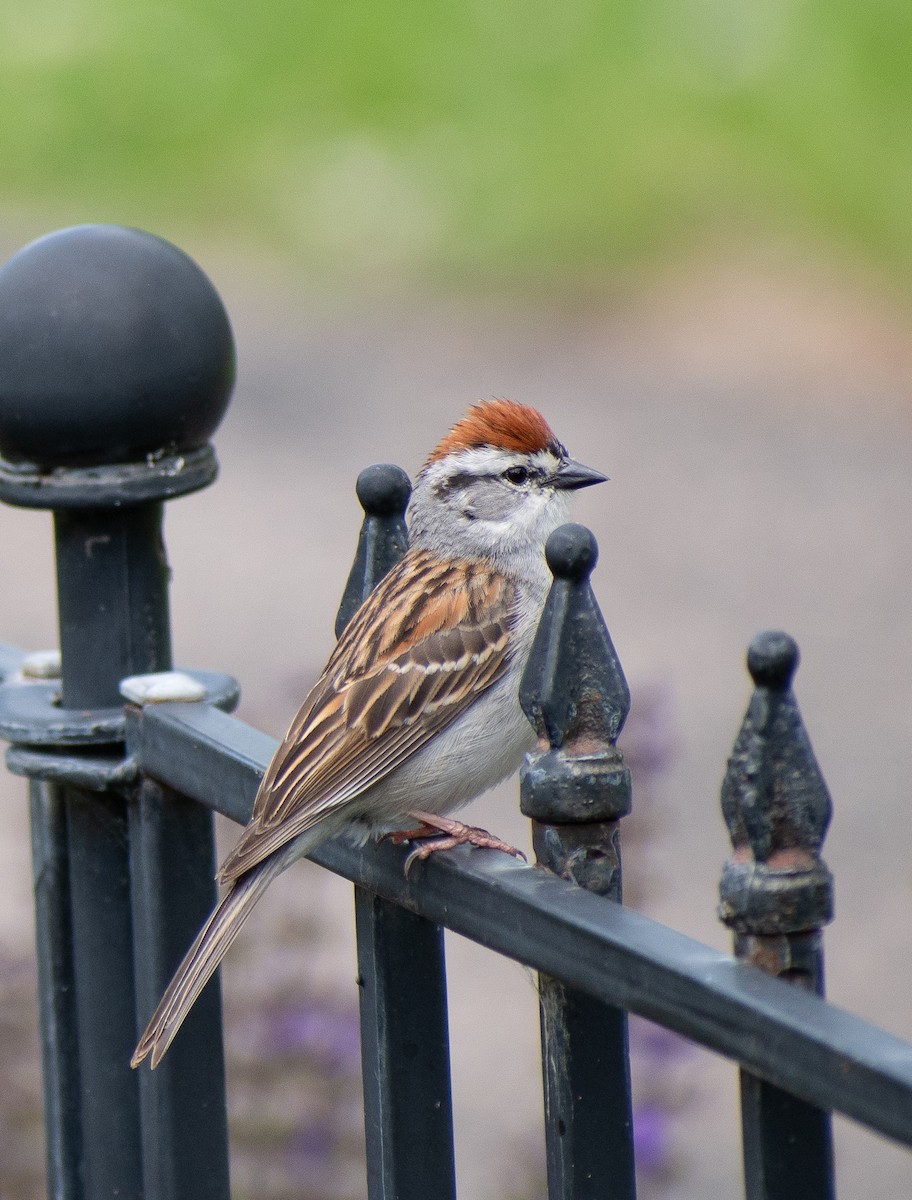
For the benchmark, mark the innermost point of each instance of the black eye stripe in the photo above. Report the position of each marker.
(449, 484)
(515, 475)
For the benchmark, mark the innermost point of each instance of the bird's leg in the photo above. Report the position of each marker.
(442, 833)
(399, 836)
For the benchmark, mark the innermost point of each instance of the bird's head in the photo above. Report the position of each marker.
(496, 486)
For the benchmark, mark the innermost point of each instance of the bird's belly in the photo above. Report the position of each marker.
(481, 748)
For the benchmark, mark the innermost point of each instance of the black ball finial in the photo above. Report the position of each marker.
(571, 552)
(383, 490)
(114, 346)
(772, 659)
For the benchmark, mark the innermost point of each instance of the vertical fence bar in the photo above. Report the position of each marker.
(57, 992)
(184, 1128)
(97, 847)
(576, 788)
(118, 360)
(111, 581)
(405, 1051)
(405, 1059)
(776, 894)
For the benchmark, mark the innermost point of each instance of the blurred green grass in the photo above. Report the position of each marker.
(463, 139)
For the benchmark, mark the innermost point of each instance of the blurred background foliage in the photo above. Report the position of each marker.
(508, 139)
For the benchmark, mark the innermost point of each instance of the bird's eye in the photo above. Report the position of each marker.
(516, 474)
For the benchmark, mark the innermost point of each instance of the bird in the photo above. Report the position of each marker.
(417, 710)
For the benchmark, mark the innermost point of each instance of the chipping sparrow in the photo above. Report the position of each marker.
(417, 710)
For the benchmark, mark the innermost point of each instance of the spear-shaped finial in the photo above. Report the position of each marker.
(777, 807)
(575, 787)
(575, 694)
(573, 688)
(776, 894)
(384, 492)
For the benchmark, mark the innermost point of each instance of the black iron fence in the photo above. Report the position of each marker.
(116, 364)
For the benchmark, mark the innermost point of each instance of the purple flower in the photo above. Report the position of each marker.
(650, 1138)
(329, 1034)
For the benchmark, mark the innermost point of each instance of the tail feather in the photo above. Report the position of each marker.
(200, 961)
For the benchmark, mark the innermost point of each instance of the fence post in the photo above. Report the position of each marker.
(405, 1051)
(776, 894)
(575, 787)
(116, 365)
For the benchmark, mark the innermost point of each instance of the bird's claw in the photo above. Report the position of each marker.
(441, 833)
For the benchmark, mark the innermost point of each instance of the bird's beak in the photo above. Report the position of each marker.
(572, 475)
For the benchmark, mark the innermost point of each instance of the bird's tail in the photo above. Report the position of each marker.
(201, 960)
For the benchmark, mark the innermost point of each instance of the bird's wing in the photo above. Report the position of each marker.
(406, 666)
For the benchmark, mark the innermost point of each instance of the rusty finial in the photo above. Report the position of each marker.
(776, 806)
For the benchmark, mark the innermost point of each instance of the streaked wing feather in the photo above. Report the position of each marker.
(362, 766)
(400, 673)
(256, 844)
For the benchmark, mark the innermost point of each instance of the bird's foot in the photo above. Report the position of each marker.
(437, 833)
(400, 836)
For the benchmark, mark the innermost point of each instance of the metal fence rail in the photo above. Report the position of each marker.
(786, 1034)
(122, 802)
